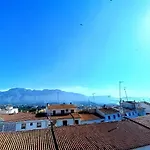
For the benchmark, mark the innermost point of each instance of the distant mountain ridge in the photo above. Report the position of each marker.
(28, 96)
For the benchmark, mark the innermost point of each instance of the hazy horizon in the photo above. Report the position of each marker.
(86, 92)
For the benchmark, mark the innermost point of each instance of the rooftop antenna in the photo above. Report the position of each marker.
(121, 109)
(93, 97)
(125, 93)
(89, 101)
(120, 82)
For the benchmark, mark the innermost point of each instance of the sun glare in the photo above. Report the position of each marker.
(145, 30)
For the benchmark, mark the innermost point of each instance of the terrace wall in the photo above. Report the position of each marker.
(59, 122)
(113, 117)
(44, 124)
(91, 121)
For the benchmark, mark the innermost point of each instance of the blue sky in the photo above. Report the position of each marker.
(42, 45)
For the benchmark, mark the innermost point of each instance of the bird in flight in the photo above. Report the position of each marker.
(81, 24)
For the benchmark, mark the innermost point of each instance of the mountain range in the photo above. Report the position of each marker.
(28, 96)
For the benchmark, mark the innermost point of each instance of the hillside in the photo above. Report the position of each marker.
(27, 96)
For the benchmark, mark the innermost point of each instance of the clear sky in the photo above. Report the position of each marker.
(43, 45)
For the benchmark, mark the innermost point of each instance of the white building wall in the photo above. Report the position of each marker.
(10, 111)
(44, 124)
(131, 114)
(59, 122)
(112, 117)
(58, 111)
(78, 120)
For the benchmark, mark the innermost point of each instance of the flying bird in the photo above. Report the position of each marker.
(81, 24)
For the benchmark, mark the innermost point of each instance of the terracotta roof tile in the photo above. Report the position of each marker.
(28, 140)
(108, 110)
(62, 106)
(75, 115)
(86, 117)
(21, 117)
(67, 116)
(145, 120)
(109, 136)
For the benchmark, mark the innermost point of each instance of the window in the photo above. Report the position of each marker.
(66, 110)
(76, 121)
(118, 115)
(31, 124)
(132, 113)
(39, 125)
(129, 114)
(72, 110)
(108, 117)
(125, 114)
(54, 112)
(23, 126)
(64, 122)
(62, 111)
(114, 116)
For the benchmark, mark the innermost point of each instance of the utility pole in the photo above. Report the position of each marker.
(89, 101)
(93, 97)
(120, 82)
(125, 93)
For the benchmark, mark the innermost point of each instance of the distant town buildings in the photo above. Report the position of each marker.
(9, 110)
(66, 115)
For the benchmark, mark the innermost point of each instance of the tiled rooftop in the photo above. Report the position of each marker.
(121, 135)
(85, 117)
(67, 116)
(104, 136)
(145, 120)
(62, 106)
(108, 110)
(75, 115)
(29, 140)
(21, 117)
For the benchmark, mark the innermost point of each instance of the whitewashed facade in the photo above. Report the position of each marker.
(24, 125)
(110, 116)
(9, 110)
(59, 122)
(32, 125)
(60, 109)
